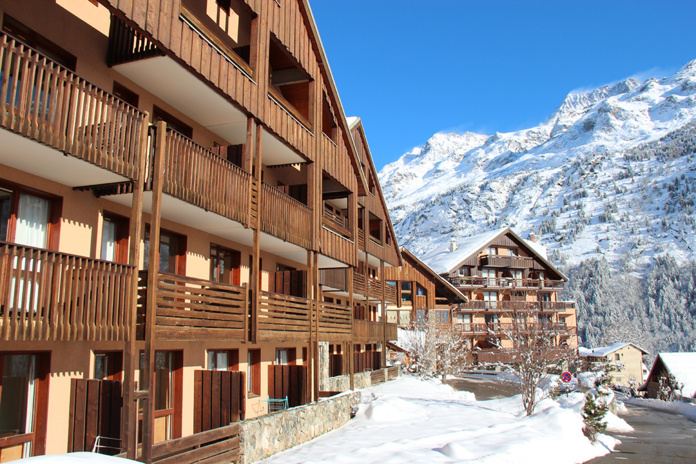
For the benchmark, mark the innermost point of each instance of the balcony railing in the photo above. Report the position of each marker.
(196, 309)
(498, 328)
(518, 305)
(283, 317)
(46, 295)
(284, 217)
(48, 103)
(126, 44)
(198, 176)
(520, 262)
(361, 239)
(334, 278)
(373, 288)
(367, 331)
(334, 321)
(336, 222)
(504, 282)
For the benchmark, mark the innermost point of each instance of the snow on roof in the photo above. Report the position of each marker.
(441, 260)
(352, 121)
(538, 248)
(606, 350)
(683, 367)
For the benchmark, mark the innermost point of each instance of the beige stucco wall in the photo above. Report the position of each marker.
(632, 360)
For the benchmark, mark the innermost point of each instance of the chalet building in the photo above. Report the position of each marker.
(509, 283)
(626, 359)
(186, 218)
(420, 290)
(681, 367)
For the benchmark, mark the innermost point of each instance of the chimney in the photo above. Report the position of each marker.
(532, 237)
(453, 244)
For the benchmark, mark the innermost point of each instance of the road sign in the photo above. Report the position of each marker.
(566, 377)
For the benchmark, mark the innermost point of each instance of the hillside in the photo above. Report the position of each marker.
(608, 176)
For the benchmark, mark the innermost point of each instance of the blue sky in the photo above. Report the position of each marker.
(412, 68)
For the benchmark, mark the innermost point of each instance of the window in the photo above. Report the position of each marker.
(158, 114)
(224, 265)
(328, 121)
(167, 392)
(513, 252)
(489, 276)
(227, 23)
(285, 356)
(172, 252)
(114, 243)
(29, 218)
(108, 365)
(126, 94)
(375, 228)
(254, 372)
(406, 291)
(492, 251)
(490, 300)
(38, 42)
(23, 404)
(420, 317)
(223, 360)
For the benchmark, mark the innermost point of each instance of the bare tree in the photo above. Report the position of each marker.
(535, 353)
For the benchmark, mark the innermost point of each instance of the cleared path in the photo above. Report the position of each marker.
(484, 389)
(659, 437)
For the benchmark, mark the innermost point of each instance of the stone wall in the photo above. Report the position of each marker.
(276, 432)
(341, 383)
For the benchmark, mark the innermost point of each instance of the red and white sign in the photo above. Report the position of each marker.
(566, 377)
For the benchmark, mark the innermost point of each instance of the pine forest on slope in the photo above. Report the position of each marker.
(607, 185)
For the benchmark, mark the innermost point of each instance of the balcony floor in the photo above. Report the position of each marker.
(41, 160)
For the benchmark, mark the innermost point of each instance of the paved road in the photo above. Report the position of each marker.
(484, 389)
(659, 437)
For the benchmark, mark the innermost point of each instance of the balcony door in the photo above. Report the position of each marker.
(224, 265)
(23, 405)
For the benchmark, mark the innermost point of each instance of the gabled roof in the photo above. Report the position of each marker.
(353, 123)
(448, 286)
(607, 350)
(444, 261)
(683, 367)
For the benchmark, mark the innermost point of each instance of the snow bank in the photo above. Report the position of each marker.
(414, 421)
(676, 407)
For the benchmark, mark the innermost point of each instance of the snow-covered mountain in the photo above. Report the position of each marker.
(610, 173)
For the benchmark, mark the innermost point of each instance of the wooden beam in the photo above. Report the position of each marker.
(351, 299)
(129, 414)
(151, 302)
(255, 278)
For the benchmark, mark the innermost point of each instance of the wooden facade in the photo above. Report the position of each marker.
(209, 209)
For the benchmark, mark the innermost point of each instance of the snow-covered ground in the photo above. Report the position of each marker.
(414, 421)
(676, 407)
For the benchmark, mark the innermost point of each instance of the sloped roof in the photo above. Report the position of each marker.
(443, 261)
(451, 288)
(683, 367)
(606, 350)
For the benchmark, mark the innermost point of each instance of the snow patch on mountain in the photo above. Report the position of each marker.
(610, 173)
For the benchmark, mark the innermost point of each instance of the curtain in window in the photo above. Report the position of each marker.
(108, 248)
(32, 221)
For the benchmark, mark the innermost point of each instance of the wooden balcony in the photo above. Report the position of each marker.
(498, 329)
(514, 262)
(517, 305)
(198, 176)
(336, 222)
(283, 318)
(421, 302)
(334, 322)
(50, 296)
(49, 104)
(504, 282)
(372, 331)
(196, 309)
(334, 278)
(284, 217)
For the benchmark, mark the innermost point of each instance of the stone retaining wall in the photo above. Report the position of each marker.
(276, 432)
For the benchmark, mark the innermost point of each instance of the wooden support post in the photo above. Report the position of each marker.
(315, 300)
(255, 278)
(129, 414)
(384, 313)
(310, 346)
(351, 367)
(151, 303)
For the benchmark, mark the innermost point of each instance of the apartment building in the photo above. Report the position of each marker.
(206, 136)
(509, 284)
(420, 291)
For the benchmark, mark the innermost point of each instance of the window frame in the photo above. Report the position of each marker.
(254, 372)
(54, 213)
